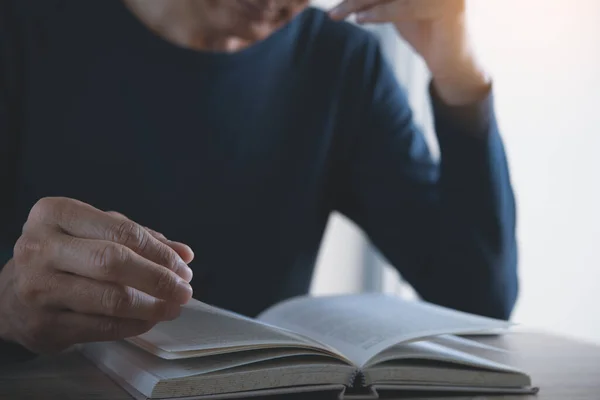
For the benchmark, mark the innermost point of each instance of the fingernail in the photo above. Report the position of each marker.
(185, 291)
(188, 248)
(184, 271)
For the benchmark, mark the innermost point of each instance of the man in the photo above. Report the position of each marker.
(236, 127)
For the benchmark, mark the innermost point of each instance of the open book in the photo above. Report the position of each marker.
(358, 345)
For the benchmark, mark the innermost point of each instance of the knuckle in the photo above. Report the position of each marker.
(165, 281)
(143, 241)
(50, 207)
(168, 257)
(108, 259)
(26, 247)
(54, 209)
(43, 207)
(127, 233)
(114, 301)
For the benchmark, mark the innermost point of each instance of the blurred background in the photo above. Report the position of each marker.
(544, 56)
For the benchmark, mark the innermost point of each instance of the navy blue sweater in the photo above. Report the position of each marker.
(244, 156)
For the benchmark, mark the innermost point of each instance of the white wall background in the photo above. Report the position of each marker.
(343, 265)
(545, 59)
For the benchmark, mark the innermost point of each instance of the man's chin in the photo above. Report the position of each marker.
(260, 31)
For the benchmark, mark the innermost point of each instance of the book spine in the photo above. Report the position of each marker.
(357, 380)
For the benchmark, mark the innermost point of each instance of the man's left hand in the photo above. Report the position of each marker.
(437, 30)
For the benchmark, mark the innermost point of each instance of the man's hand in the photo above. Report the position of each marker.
(437, 30)
(81, 275)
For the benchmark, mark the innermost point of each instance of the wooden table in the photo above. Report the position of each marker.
(563, 369)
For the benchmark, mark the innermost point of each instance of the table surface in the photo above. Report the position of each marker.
(564, 369)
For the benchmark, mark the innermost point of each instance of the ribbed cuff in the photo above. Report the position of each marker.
(475, 120)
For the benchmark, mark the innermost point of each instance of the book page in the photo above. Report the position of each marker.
(361, 326)
(434, 351)
(144, 372)
(171, 369)
(205, 328)
(475, 348)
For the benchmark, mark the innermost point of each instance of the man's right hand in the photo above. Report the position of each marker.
(82, 275)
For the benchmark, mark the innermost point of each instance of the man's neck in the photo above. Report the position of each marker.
(184, 23)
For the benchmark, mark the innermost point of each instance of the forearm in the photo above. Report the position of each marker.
(474, 267)
(449, 230)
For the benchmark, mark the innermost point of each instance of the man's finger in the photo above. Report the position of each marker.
(380, 14)
(87, 296)
(380, 11)
(407, 10)
(183, 250)
(81, 328)
(81, 220)
(111, 262)
(348, 7)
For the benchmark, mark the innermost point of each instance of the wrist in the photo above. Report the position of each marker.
(456, 71)
(462, 83)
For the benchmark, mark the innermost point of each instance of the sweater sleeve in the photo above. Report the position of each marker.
(10, 66)
(447, 226)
